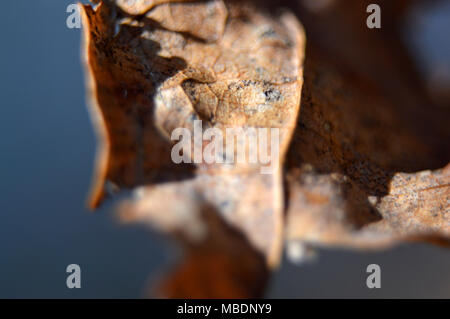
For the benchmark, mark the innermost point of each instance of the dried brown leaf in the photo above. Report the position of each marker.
(160, 72)
(362, 170)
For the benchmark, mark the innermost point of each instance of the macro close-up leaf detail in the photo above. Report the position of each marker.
(363, 160)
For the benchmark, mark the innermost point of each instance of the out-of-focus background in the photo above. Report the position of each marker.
(47, 148)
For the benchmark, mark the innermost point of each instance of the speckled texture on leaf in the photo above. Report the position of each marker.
(363, 163)
(151, 74)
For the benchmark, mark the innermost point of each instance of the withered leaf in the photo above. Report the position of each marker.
(362, 170)
(158, 73)
(364, 166)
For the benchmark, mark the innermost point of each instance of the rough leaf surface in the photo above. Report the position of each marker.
(364, 169)
(154, 73)
(361, 155)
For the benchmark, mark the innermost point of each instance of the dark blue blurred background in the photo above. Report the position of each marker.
(47, 150)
